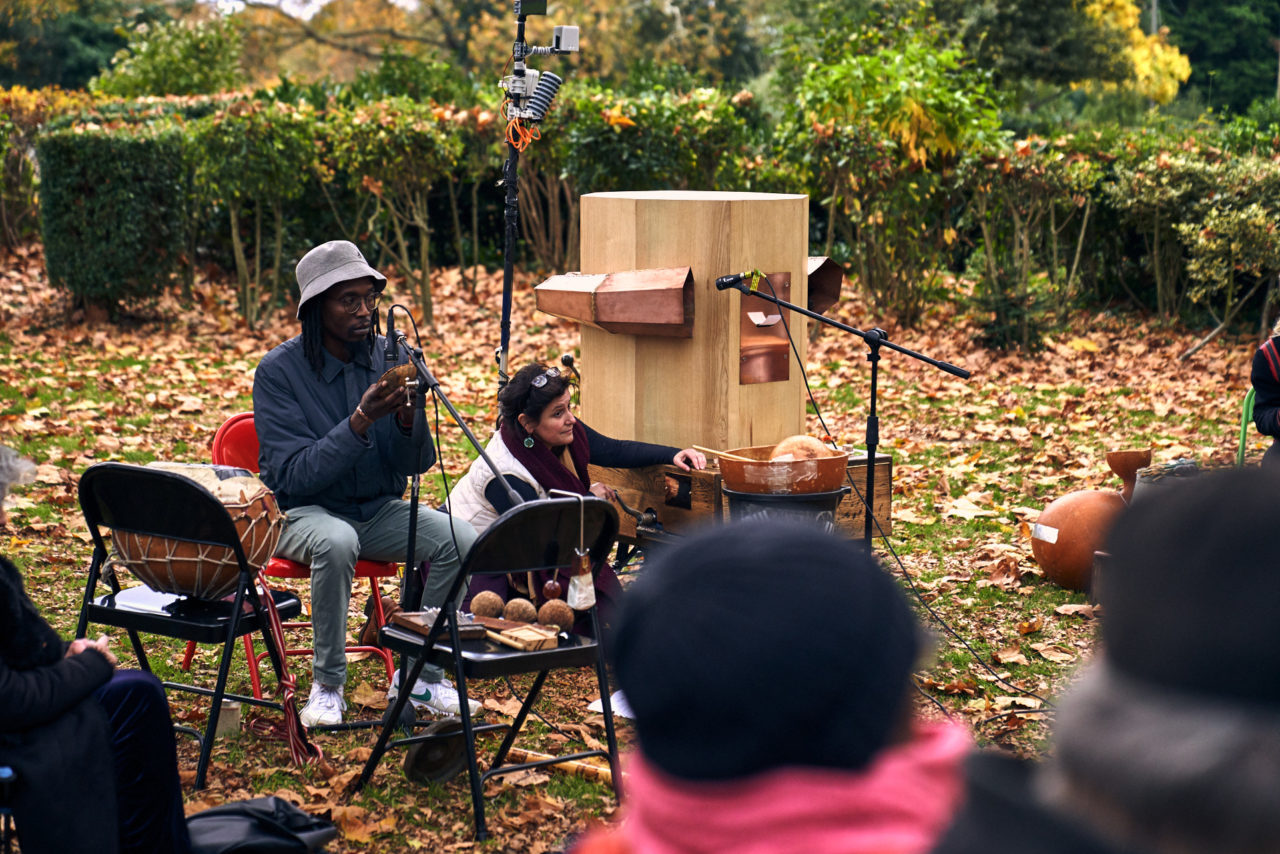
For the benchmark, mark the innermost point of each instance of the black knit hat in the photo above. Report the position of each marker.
(755, 645)
(1191, 591)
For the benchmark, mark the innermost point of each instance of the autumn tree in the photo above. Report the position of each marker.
(1156, 68)
(396, 150)
(249, 157)
(342, 39)
(719, 41)
(1028, 41)
(1232, 46)
(815, 34)
(191, 57)
(62, 46)
(875, 137)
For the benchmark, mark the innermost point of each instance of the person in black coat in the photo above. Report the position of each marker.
(1265, 377)
(92, 746)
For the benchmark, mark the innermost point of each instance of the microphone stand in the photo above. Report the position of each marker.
(510, 236)
(531, 106)
(426, 381)
(511, 209)
(875, 339)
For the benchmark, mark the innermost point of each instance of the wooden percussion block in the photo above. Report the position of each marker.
(526, 637)
(687, 500)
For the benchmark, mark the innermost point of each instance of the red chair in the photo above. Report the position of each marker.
(236, 444)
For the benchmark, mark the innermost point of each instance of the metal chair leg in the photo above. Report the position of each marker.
(219, 690)
(606, 705)
(389, 723)
(473, 765)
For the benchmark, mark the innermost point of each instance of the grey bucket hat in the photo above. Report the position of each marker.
(329, 264)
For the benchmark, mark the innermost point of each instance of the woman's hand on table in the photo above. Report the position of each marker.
(689, 458)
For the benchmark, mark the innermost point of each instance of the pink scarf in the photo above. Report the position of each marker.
(899, 804)
(545, 466)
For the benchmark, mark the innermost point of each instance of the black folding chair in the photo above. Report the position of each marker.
(155, 503)
(534, 536)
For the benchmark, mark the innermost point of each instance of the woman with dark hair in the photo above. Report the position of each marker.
(540, 445)
(92, 745)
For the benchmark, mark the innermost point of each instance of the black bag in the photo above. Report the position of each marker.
(258, 826)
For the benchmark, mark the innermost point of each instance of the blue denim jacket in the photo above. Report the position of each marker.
(308, 453)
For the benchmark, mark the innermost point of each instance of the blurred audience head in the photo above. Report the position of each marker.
(1170, 740)
(791, 645)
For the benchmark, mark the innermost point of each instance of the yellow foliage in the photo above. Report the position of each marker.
(28, 109)
(918, 132)
(615, 118)
(1158, 67)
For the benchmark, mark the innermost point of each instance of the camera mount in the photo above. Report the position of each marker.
(529, 96)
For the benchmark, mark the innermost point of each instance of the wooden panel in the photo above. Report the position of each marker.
(634, 302)
(765, 237)
(650, 489)
(607, 361)
(850, 515)
(682, 392)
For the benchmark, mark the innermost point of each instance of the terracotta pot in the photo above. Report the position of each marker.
(1126, 464)
(1069, 531)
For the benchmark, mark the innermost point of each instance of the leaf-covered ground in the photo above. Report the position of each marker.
(974, 463)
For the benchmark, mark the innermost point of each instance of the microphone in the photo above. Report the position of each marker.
(392, 355)
(566, 359)
(543, 93)
(730, 281)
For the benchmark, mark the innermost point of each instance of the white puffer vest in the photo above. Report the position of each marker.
(467, 500)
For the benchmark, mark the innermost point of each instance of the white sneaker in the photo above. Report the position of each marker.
(324, 707)
(440, 697)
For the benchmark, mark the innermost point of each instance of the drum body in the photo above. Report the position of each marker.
(206, 571)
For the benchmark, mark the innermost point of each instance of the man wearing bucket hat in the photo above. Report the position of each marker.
(336, 449)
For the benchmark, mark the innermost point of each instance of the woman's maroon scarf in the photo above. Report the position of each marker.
(545, 466)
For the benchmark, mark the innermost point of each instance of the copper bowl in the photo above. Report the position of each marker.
(761, 476)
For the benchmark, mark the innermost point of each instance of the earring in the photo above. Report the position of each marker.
(528, 441)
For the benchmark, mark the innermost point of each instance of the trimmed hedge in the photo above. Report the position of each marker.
(113, 208)
(1171, 218)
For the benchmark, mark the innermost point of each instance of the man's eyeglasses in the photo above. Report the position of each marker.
(541, 379)
(351, 302)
